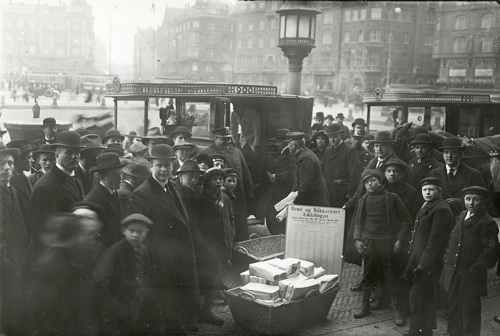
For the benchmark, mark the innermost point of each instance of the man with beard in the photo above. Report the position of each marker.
(105, 195)
(88, 157)
(424, 162)
(244, 192)
(14, 243)
(45, 158)
(308, 179)
(58, 188)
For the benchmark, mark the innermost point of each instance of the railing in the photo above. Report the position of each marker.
(417, 97)
(296, 40)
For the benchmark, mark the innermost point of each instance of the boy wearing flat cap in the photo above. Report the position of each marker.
(430, 236)
(382, 226)
(123, 280)
(472, 249)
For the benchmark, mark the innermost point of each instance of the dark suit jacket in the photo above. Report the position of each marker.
(89, 180)
(430, 237)
(125, 191)
(421, 170)
(373, 162)
(20, 183)
(112, 216)
(54, 192)
(170, 238)
(472, 249)
(42, 141)
(464, 177)
(342, 172)
(308, 179)
(33, 178)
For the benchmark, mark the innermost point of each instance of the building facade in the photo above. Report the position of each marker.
(468, 45)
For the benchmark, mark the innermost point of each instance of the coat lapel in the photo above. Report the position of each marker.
(165, 201)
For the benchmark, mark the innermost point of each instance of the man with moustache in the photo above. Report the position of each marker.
(171, 242)
(58, 189)
(109, 167)
(244, 192)
(45, 158)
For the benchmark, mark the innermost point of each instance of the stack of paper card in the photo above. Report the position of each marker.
(291, 267)
(327, 282)
(262, 291)
(290, 289)
(306, 267)
(267, 271)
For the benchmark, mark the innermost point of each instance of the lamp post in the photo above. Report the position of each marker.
(296, 37)
(397, 10)
(140, 58)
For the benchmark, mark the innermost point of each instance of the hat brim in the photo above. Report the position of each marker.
(223, 136)
(278, 138)
(189, 171)
(104, 139)
(191, 148)
(422, 143)
(145, 140)
(454, 147)
(174, 134)
(337, 132)
(382, 141)
(97, 169)
(55, 145)
(37, 153)
(49, 125)
(150, 157)
(10, 151)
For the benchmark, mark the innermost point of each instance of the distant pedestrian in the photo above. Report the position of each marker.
(36, 110)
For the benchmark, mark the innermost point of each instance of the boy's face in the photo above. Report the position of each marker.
(230, 182)
(372, 184)
(430, 192)
(393, 174)
(474, 203)
(135, 233)
(189, 179)
(216, 182)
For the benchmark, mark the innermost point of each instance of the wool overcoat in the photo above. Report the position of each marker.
(464, 177)
(308, 179)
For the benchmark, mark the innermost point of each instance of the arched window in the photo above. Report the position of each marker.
(487, 21)
(460, 22)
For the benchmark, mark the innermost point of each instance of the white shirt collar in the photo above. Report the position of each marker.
(111, 191)
(468, 215)
(162, 184)
(454, 169)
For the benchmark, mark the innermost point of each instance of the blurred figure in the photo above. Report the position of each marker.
(322, 141)
(130, 139)
(328, 121)
(154, 137)
(340, 120)
(49, 128)
(138, 151)
(88, 157)
(36, 110)
(134, 174)
(113, 137)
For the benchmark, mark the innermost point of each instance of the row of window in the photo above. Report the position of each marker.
(460, 44)
(250, 45)
(50, 25)
(486, 21)
(261, 25)
(46, 50)
(196, 24)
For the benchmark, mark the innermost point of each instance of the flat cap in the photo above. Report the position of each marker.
(371, 172)
(136, 219)
(476, 190)
(431, 181)
(295, 135)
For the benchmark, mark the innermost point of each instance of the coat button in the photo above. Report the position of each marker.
(456, 255)
(170, 225)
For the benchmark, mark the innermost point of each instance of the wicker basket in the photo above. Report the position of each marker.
(264, 320)
(262, 248)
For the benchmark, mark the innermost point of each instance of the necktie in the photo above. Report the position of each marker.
(450, 174)
(379, 163)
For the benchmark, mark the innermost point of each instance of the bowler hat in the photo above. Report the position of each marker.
(161, 152)
(223, 132)
(321, 133)
(115, 148)
(218, 157)
(62, 230)
(334, 129)
(49, 122)
(204, 158)
(137, 169)
(476, 190)
(281, 134)
(213, 172)
(137, 147)
(340, 116)
(382, 137)
(422, 139)
(154, 133)
(430, 181)
(190, 166)
(359, 121)
(330, 117)
(112, 133)
(108, 161)
(43, 149)
(183, 144)
(295, 135)
(394, 162)
(231, 172)
(416, 131)
(452, 143)
(88, 138)
(320, 115)
(136, 218)
(367, 173)
(23, 145)
(180, 130)
(68, 139)
(99, 210)
(9, 151)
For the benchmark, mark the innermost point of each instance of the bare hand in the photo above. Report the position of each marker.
(397, 247)
(360, 247)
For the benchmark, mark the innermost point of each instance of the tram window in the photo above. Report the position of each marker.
(201, 117)
(490, 122)
(469, 122)
(438, 118)
(381, 117)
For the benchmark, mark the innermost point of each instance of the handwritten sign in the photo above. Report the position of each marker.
(316, 234)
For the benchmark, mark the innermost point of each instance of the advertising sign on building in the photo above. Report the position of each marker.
(457, 72)
(483, 72)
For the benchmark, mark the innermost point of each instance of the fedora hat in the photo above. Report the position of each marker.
(112, 133)
(180, 130)
(340, 115)
(154, 133)
(223, 132)
(382, 137)
(190, 166)
(44, 149)
(394, 162)
(137, 169)
(92, 142)
(62, 230)
(136, 219)
(359, 121)
(23, 145)
(330, 117)
(137, 147)
(49, 122)
(68, 139)
(108, 161)
(334, 129)
(87, 138)
(161, 152)
(183, 144)
(281, 133)
(422, 138)
(9, 151)
(452, 143)
(211, 172)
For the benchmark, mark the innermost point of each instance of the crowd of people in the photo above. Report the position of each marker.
(129, 234)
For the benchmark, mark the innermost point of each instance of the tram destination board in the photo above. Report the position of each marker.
(379, 97)
(161, 89)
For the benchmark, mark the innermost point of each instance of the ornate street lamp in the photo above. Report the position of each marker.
(296, 37)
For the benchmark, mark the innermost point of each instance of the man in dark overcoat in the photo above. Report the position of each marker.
(49, 128)
(429, 239)
(134, 174)
(308, 179)
(170, 237)
(472, 249)
(382, 146)
(455, 175)
(105, 195)
(340, 167)
(424, 162)
(14, 244)
(45, 158)
(58, 189)
(88, 155)
(244, 190)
